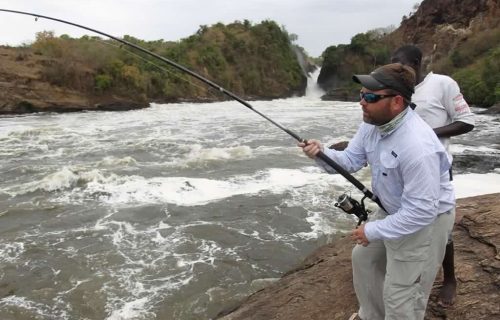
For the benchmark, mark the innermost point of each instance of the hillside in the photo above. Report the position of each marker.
(458, 38)
(67, 74)
(23, 89)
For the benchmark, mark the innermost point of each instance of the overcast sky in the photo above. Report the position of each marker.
(318, 23)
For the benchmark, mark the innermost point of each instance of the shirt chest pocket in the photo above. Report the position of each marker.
(389, 175)
(389, 160)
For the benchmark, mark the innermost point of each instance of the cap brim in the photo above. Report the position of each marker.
(368, 82)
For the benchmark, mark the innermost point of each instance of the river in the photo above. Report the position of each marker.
(180, 210)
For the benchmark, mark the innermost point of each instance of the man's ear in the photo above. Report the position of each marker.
(397, 104)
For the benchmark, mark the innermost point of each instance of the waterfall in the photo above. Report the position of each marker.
(313, 90)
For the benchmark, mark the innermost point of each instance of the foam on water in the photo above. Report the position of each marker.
(65, 178)
(460, 149)
(9, 252)
(472, 184)
(155, 265)
(132, 310)
(29, 307)
(187, 191)
(198, 154)
(77, 186)
(134, 276)
(137, 203)
(111, 161)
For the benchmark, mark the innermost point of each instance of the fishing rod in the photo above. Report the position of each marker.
(345, 202)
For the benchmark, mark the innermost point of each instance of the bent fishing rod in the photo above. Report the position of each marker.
(345, 202)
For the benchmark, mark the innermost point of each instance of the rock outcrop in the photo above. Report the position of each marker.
(493, 109)
(440, 25)
(454, 35)
(22, 90)
(321, 287)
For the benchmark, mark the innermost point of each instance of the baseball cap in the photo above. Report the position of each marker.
(391, 76)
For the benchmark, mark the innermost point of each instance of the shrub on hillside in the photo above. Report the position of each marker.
(480, 82)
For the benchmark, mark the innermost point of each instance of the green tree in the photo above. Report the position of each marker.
(103, 82)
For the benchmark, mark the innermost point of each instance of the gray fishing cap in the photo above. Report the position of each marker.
(392, 76)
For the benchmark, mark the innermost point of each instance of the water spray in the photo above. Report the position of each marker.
(357, 209)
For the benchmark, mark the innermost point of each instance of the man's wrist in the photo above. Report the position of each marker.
(371, 231)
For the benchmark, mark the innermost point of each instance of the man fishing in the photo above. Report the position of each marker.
(410, 176)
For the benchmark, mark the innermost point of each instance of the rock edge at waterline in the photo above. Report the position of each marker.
(321, 287)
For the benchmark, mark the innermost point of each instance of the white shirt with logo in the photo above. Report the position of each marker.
(439, 103)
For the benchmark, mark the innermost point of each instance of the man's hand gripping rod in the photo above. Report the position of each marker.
(345, 202)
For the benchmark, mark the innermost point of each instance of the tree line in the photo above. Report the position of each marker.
(252, 60)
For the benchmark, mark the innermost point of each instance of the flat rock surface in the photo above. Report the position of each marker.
(321, 287)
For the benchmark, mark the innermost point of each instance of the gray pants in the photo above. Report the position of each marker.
(444, 227)
(393, 278)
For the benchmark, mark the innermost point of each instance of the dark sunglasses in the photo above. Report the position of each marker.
(371, 97)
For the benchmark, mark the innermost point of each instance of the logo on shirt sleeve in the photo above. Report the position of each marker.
(460, 104)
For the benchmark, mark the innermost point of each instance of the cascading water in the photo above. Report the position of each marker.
(313, 90)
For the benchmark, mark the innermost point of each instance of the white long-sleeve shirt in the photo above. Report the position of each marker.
(409, 174)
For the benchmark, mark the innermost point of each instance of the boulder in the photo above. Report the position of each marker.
(495, 109)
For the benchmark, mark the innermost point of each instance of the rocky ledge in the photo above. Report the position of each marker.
(321, 287)
(495, 109)
(23, 90)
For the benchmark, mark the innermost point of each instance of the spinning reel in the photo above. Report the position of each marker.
(351, 206)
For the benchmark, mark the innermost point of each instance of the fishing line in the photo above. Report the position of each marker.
(367, 193)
